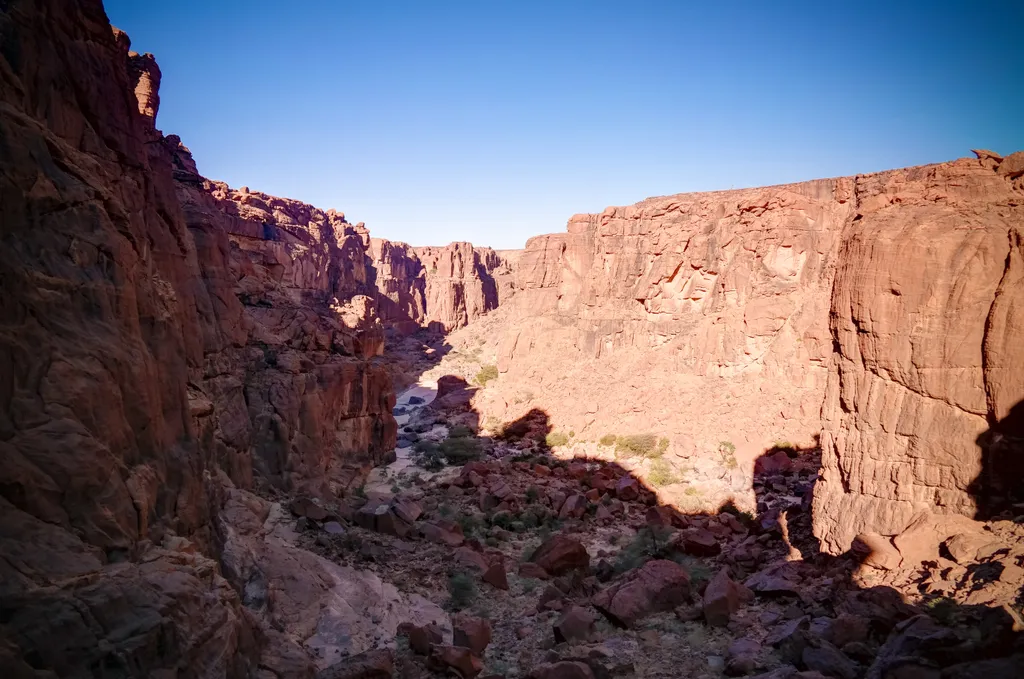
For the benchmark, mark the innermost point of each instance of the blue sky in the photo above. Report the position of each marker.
(494, 121)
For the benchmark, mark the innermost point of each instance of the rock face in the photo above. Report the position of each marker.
(442, 288)
(880, 312)
(166, 342)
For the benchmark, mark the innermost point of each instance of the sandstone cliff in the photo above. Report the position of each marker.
(157, 363)
(724, 321)
(443, 288)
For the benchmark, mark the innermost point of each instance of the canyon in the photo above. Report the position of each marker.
(758, 430)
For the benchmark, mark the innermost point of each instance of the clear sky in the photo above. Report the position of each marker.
(492, 121)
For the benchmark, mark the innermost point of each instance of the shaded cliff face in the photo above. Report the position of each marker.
(151, 359)
(723, 321)
(442, 288)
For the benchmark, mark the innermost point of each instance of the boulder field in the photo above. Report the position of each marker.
(774, 430)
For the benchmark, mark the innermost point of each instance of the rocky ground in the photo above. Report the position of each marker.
(549, 565)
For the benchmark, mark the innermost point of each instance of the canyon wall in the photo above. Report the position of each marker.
(167, 345)
(443, 288)
(726, 320)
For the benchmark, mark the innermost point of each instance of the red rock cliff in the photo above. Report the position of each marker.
(440, 287)
(166, 341)
(893, 299)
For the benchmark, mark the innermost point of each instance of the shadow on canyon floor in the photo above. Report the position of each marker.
(835, 619)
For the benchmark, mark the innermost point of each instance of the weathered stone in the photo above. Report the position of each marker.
(560, 554)
(658, 585)
(575, 625)
(471, 632)
(722, 598)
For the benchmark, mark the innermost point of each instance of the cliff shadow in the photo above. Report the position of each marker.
(998, 490)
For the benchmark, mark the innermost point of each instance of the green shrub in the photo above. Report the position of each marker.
(648, 543)
(461, 591)
(486, 374)
(556, 438)
(469, 523)
(459, 432)
(726, 447)
(607, 440)
(460, 450)
(636, 445)
(662, 474)
(532, 494)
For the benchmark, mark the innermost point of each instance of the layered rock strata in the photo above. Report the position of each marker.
(167, 344)
(442, 288)
(881, 312)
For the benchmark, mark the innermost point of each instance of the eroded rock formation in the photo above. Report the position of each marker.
(167, 344)
(442, 288)
(723, 321)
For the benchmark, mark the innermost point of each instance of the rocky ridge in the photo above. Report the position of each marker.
(876, 314)
(440, 288)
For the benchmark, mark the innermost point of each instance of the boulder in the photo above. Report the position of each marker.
(575, 625)
(456, 658)
(560, 554)
(658, 585)
(471, 632)
(722, 598)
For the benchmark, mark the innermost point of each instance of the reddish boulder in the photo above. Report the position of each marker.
(561, 554)
(495, 576)
(422, 638)
(457, 658)
(722, 598)
(471, 632)
(658, 585)
(627, 489)
(574, 507)
(531, 570)
(700, 542)
(576, 624)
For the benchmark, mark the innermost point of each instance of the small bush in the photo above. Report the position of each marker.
(459, 432)
(726, 447)
(469, 524)
(636, 445)
(556, 438)
(607, 440)
(692, 491)
(532, 494)
(648, 544)
(662, 474)
(460, 450)
(461, 591)
(486, 374)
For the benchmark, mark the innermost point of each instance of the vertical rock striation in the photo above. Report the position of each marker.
(882, 312)
(442, 288)
(165, 343)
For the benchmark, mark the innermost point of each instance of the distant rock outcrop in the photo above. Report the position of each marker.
(442, 288)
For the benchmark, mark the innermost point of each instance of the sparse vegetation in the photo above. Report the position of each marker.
(728, 452)
(461, 591)
(662, 474)
(608, 440)
(636, 445)
(698, 569)
(648, 544)
(531, 494)
(556, 438)
(487, 373)
(460, 450)
(459, 431)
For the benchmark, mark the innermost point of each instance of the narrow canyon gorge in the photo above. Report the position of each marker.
(773, 432)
